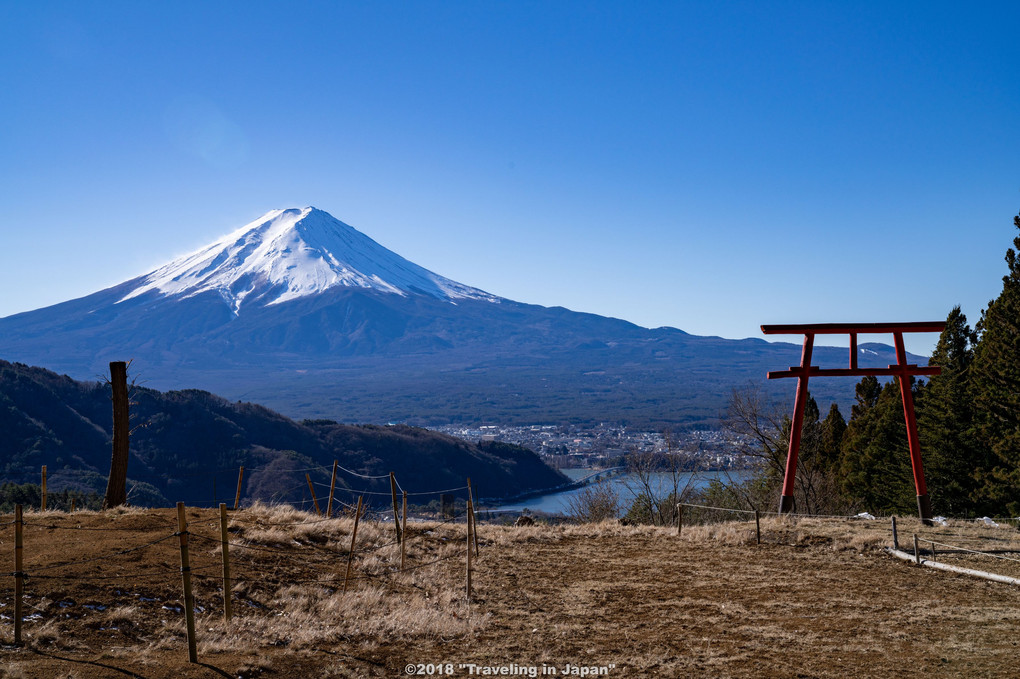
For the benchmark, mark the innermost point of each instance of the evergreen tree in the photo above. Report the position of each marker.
(833, 429)
(997, 386)
(946, 421)
(816, 487)
(875, 457)
(866, 396)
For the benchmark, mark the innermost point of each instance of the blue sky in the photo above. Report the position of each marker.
(710, 166)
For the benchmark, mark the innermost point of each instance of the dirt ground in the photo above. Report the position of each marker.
(816, 599)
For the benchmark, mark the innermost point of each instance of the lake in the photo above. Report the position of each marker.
(626, 485)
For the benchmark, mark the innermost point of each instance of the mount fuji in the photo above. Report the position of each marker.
(302, 313)
(289, 254)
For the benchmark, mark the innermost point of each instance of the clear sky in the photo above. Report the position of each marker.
(705, 165)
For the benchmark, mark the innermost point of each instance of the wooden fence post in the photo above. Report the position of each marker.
(471, 515)
(19, 575)
(679, 518)
(225, 553)
(332, 488)
(72, 505)
(396, 510)
(895, 537)
(189, 599)
(311, 489)
(403, 543)
(42, 508)
(469, 552)
(116, 486)
(757, 525)
(917, 553)
(933, 556)
(237, 498)
(354, 535)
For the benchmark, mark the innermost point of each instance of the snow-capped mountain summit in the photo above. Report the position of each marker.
(288, 254)
(301, 312)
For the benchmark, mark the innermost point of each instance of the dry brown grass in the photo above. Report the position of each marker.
(818, 598)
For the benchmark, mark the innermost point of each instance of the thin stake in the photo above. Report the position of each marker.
(189, 599)
(332, 488)
(396, 518)
(757, 525)
(237, 498)
(225, 553)
(469, 552)
(72, 505)
(354, 535)
(19, 576)
(471, 515)
(403, 543)
(917, 554)
(43, 507)
(895, 535)
(679, 519)
(933, 557)
(311, 488)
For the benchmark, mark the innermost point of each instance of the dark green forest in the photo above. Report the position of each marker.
(189, 445)
(968, 420)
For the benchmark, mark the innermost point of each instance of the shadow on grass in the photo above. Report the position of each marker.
(127, 673)
(77, 661)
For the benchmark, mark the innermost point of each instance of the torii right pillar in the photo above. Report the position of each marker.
(901, 370)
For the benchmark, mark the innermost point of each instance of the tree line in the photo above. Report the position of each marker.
(968, 420)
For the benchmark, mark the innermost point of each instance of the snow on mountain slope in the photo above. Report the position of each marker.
(287, 254)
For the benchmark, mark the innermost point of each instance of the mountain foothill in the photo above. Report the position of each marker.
(302, 313)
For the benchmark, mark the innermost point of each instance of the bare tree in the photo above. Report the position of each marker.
(658, 480)
(595, 502)
(761, 430)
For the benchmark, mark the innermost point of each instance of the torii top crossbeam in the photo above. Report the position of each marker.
(901, 369)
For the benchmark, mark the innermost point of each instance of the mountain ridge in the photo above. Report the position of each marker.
(358, 353)
(182, 440)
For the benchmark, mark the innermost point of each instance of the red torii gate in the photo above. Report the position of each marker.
(901, 370)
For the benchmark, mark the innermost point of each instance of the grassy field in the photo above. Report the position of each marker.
(818, 598)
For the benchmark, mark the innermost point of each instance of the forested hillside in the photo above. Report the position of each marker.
(188, 445)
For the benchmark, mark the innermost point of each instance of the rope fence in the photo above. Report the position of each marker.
(292, 560)
(328, 481)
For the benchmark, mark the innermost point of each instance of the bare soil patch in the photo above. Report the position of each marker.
(817, 599)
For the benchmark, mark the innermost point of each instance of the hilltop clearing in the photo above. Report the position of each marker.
(817, 598)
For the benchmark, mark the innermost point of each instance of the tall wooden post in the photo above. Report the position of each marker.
(396, 510)
(116, 487)
(42, 506)
(189, 598)
(332, 488)
(469, 552)
(19, 575)
(225, 553)
(237, 498)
